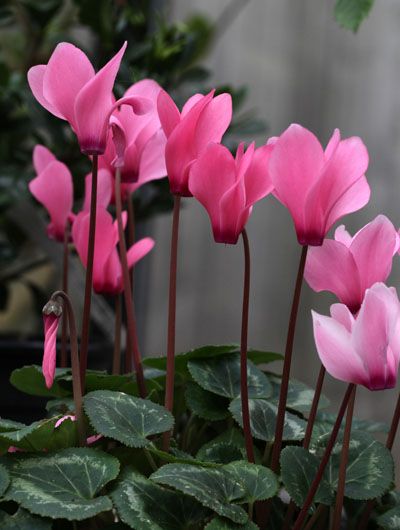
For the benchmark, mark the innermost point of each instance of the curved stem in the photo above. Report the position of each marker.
(307, 437)
(325, 459)
(287, 363)
(169, 388)
(76, 379)
(64, 353)
(366, 514)
(244, 393)
(129, 306)
(89, 273)
(337, 516)
(116, 368)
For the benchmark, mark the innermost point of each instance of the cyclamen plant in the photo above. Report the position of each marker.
(245, 448)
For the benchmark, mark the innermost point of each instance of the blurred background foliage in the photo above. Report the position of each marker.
(170, 53)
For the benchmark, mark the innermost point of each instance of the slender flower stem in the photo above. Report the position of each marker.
(116, 368)
(366, 514)
(89, 273)
(129, 306)
(64, 353)
(337, 515)
(76, 378)
(244, 393)
(276, 451)
(307, 437)
(169, 388)
(318, 512)
(131, 241)
(324, 461)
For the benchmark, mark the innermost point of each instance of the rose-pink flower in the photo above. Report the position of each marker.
(203, 119)
(364, 350)
(107, 270)
(347, 266)
(52, 312)
(69, 88)
(228, 187)
(53, 188)
(318, 187)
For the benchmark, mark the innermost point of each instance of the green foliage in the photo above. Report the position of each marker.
(218, 523)
(205, 404)
(128, 419)
(23, 520)
(390, 520)
(30, 380)
(350, 13)
(64, 485)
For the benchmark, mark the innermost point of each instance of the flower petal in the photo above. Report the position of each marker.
(35, 80)
(343, 236)
(168, 113)
(257, 180)
(213, 121)
(42, 158)
(104, 189)
(139, 250)
(50, 348)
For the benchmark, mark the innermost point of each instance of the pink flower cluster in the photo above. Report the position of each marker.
(146, 136)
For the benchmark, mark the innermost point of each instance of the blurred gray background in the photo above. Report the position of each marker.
(301, 67)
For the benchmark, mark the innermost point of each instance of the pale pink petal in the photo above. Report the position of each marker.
(343, 236)
(94, 438)
(331, 267)
(120, 142)
(332, 144)
(370, 333)
(54, 189)
(373, 248)
(213, 121)
(139, 250)
(257, 180)
(35, 80)
(42, 158)
(243, 159)
(295, 165)
(61, 420)
(152, 162)
(342, 314)
(210, 177)
(336, 352)
(50, 352)
(67, 72)
(168, 113)
(191, 102)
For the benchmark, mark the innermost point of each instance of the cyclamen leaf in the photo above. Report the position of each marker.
(30, 380)
(23, 520)
(128, 419)
(350, 13)
(222, 524)
(4, 479)
(142, 504)
(221, 453)
(298, 469)
(299, 397)
(263, 416)
(390, 520)
(258, 482)
(222, 376)
(62, 485)
(205, 404)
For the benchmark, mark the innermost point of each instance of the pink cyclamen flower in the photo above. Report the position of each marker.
(138, 143)
(107, 270)
(203, 119)
(228, 187)
(52, 312)
(53, 188)
(318, 187)
(347, 266)
(69, 88)
(364, 350)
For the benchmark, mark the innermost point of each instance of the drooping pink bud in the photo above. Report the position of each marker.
(52, 312)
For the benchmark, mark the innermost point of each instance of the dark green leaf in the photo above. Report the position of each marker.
(221, 453)
(263, 416)
(390, 520)
(63, 485)
(23, 520)
(350, 13)
(221, 376)
(299, 397)
(30, 380)
(205, 404)
(218, 523)
(143, 505)
(128, 419)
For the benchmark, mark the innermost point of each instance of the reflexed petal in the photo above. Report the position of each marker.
(104, 189)
(332, 144)
(191, 102)
(152, 162)
(35, 80)
(343, 236)
(257, 181)
(168, 113)
(139, 250)
(42, 158)
(336, 352)
(213, 121)
(342, 314)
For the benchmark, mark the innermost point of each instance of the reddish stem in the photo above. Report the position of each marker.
(337, 515)
(76, 378)
(64, 353)
(324, 461)
(89, 274)
(389, 444)
(307, 437)
(129, 306)
(116, 368)
(243, 351)
(131, 241)
(169, 388)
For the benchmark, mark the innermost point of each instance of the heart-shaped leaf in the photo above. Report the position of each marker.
(30, 380)
(62, 485)
(263, 416)
(205, 404)
(142, 504)
(222, 376)
(125, 418)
